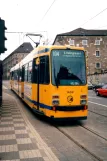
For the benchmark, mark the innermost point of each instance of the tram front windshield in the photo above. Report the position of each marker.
(68, 67)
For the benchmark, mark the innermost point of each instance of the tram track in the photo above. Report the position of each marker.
(78, 144)
(97, 113)
(92, 131)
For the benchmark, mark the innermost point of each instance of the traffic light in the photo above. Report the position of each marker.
(2, 36)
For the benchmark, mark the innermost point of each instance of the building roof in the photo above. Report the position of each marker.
(83, 32)
(23, 48)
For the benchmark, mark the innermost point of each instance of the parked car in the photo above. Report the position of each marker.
(96, 86)
(102, 91)
(90, 86)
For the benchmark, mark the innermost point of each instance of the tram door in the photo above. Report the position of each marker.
(22, 81)
(36, 69)
(28, 82)
(42, 88)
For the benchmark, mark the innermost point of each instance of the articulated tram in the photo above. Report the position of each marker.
(52, 80)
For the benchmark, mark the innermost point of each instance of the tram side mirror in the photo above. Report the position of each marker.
(37, 61)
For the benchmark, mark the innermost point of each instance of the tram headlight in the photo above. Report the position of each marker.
(55, 102)
(55, 97)
(83, 102)
(83, 96)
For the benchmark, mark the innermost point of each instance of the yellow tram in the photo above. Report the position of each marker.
(52, 80)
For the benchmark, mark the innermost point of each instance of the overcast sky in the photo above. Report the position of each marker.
(49, 17)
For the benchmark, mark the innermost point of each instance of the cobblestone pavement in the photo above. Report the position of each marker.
(19, 141)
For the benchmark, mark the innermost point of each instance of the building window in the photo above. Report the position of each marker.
(97, 53)
(84, 42)
(98, 65)
(97, 42)
(71, 42)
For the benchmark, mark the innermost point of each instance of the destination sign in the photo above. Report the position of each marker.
(67, 53)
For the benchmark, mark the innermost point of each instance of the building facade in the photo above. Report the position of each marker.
(15, 57)
(95, 44)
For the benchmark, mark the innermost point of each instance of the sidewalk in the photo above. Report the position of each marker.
(19, 141)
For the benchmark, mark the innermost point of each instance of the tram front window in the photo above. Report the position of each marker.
(68, 67)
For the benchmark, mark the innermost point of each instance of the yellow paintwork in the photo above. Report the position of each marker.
(47, 91)
(67, 114)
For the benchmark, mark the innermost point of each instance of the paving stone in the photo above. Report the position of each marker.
(23, 140)
(8, 142)
(21, 131)
(29, 146)
(6, 120)
(22, 135)
(16, 116)
(7, 137)
(6, 125)
(18, 122)
(33, 159)
(8, 148)
(6, 115)
(5, 132)
(6, 129)
(9, 155)
(20, 128)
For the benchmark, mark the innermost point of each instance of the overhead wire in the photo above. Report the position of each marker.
(22, 32)
(47, 11)
(94, 17)
(100, 27)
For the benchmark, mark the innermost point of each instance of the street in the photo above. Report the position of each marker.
(73, 140)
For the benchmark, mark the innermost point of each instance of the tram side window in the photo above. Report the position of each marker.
(26, 73)
(35, 72)
(44, 70)
(16, 75)
(30, 72)
(20, 75)
(18, 72)
(11, 74)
